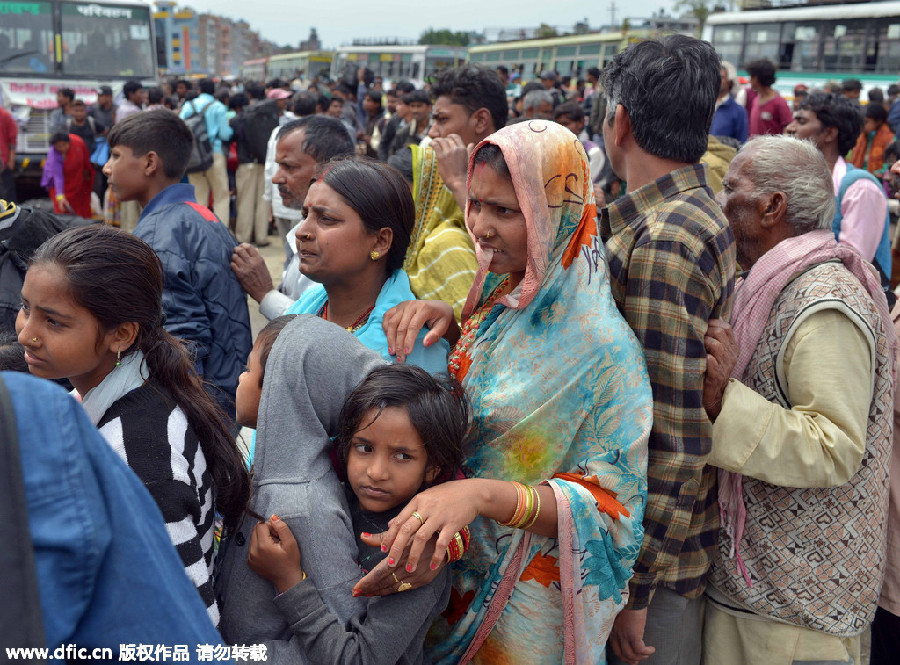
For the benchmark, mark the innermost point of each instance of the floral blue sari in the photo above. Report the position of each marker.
(560, 395)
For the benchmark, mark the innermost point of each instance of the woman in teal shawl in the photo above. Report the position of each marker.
(353, 241)
(561, 402)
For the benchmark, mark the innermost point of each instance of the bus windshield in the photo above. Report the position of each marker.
(106, 40)
(26, 37)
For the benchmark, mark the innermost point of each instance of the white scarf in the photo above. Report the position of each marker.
(131, 373)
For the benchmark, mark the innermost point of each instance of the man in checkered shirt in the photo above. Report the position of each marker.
(672, 263)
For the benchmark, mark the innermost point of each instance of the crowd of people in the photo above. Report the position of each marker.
(563, 380)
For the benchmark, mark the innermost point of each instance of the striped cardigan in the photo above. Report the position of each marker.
(151, 434)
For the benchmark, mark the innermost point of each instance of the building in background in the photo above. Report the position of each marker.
(190, 43)
(178, 40)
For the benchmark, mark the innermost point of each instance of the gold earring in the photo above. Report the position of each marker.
(374, 255)
(119, 359)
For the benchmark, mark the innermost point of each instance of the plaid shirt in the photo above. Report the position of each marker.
(672, 264)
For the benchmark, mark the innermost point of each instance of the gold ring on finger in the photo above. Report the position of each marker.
(396, 579)
(405, 586)
(419, 517)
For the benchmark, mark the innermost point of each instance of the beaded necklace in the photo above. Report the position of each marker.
(360, 322)
(459, 360)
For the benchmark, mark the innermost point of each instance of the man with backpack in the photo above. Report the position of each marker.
(207, 119)
(253, 127)
(833, 123)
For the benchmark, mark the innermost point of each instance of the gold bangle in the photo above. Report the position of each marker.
(529, 507)
(520, 506)
(537, 509)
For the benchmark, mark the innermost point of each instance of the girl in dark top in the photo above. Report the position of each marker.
(92, 313)
(401, 430)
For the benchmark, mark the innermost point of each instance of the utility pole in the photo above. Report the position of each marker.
(612, 12)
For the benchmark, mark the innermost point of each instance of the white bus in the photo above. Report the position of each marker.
(568, 56)
(814, 44)
(255, 70)
(46, 45)
(394, 63)
(307, 63)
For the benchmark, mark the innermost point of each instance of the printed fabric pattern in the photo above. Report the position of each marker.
(816, 555)
(432, 359)
(440, 260)
(560, 395)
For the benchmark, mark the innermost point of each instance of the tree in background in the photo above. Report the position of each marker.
(547, 31)
(699, 9)
(433, 37)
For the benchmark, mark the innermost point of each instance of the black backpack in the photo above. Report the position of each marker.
(257, 124)
(202, 152)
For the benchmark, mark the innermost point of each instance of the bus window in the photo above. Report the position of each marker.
(888, 48)
(762, 42)
(805, 57)
(105, 40)
(844, 46)
(729, 40)
(26, 38)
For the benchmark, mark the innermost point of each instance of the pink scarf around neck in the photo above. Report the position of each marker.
(753, 302)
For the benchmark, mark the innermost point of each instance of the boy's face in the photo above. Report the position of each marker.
(249, 391)
(126, 173)
(79, 112)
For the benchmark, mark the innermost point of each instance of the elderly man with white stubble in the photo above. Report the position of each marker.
(800, 389)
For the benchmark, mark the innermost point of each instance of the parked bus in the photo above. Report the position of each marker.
(814, 44)
(46, 45)
(393, 63)
(568, 56)
(255, 70)
(308, 63)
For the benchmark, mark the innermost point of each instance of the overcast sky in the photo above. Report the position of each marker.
(340, 21)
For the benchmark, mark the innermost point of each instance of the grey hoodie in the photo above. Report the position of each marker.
(311, 369)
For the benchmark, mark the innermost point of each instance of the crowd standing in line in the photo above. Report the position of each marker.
(641, 454)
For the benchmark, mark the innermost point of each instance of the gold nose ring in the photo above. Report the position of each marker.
(34, 339)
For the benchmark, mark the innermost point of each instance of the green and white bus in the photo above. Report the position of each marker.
(814, 44)
(46, 45)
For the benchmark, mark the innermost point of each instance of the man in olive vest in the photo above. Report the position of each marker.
(801, 399)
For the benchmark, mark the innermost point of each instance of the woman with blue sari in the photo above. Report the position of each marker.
(556, 460)
(358, 217)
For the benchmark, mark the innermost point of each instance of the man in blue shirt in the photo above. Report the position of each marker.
(730, 119)
(215, 178)
(107, 574)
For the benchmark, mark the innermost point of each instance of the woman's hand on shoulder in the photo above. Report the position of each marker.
(383, 579)
(418, 537)
(438, 511)
(403, 323)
